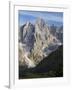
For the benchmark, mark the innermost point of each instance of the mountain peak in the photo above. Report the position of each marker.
(40, 21)
(37, 41)
(28, 23)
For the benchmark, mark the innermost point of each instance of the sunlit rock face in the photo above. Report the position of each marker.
(36, 42)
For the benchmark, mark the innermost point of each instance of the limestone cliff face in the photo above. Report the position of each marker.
(37, 41)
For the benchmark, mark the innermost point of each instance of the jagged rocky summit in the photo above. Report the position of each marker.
(35, 43)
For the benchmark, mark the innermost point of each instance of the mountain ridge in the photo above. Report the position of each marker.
(34, 40)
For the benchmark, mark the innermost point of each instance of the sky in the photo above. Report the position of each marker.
(55, 18)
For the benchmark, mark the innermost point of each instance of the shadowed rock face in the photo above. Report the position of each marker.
(27, 36)
(37, 41)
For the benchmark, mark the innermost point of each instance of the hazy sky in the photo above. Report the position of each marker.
(49, 17)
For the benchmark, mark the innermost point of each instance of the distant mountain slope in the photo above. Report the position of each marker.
(57, 32)
(51, 66)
